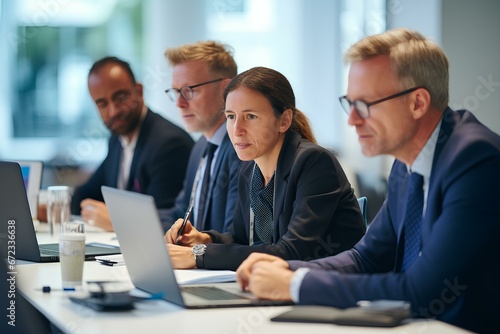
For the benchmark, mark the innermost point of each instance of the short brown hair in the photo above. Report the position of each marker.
(416, 60)
(218, 56)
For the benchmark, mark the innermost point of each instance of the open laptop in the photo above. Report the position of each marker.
(32, 177)
(17, 232)
(138, 228)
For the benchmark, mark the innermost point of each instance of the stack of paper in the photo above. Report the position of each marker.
(189, 276)
(203, 276)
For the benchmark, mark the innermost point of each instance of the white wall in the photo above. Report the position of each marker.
(167, 24)
(468, 31)
(470, 38)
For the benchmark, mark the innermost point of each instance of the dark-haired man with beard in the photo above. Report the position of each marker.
(146, 153)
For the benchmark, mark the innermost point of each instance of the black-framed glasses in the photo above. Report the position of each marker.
(186, 92)
(362, 108)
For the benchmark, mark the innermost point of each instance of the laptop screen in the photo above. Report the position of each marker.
(32, 176)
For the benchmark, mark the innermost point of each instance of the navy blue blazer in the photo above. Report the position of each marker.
(158, 166)
(456, 278)
(222, 190)
(315, 213)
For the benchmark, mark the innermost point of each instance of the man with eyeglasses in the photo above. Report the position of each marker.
(200, 72)
(435, 241)
(146, 152)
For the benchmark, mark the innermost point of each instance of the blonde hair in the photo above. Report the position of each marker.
(219, 57)
(417, 61)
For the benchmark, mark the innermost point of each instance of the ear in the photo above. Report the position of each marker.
(420, 101)
(139, 89)
(285, 120)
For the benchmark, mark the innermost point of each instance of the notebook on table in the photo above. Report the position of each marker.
(17, 232)
(140, 234)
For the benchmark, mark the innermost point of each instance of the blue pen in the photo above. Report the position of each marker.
(183, 226)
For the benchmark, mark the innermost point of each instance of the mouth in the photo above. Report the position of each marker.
(112, 125)
(362, 136)
(187, 115)
(241, 146)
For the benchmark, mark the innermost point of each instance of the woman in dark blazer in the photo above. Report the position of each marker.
(294, 200)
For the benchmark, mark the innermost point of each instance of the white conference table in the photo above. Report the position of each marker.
(159, 316)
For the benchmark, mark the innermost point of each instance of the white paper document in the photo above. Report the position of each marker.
(184, 276)
(203, 276)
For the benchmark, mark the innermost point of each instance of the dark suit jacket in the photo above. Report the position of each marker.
(158, 166)
(316, 213)
(223, 188)
(457, 276)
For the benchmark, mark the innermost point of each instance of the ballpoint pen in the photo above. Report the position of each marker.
(183, 226)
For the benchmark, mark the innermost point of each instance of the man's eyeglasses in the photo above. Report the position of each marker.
(362, 108)
(186, 92)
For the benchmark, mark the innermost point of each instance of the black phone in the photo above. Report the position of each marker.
(354, 316)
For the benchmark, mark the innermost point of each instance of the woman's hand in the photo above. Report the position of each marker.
(181, 257)
(190, 236)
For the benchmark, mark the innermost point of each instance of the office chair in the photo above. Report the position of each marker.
(363, 202)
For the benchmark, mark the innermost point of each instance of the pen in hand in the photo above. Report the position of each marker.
(183, 226)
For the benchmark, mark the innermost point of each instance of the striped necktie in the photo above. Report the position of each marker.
(413, 220)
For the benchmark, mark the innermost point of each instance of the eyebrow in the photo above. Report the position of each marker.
(244, 111)
(120, 92)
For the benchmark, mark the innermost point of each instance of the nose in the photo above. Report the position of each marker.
(353, 118)
(113, 110)
(238, 128)
(181, 102)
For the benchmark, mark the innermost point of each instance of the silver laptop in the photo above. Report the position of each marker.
(140, 234)
(16, 223)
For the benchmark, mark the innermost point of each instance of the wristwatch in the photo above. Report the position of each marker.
(199, 255)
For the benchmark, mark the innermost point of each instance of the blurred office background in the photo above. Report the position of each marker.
(48, 46)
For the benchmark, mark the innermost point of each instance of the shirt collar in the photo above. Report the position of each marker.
(219, 135)
(423, 163)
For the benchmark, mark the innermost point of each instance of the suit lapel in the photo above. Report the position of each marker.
(222, 151)
(133, 182)
(448, 124)
(245, 172)
(115, 158)
(285, 163)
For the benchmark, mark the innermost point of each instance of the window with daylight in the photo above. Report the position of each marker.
(49, 46)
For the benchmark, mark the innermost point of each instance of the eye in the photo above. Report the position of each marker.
(121, 97)
(101, 104)
(229, 116)
(251, 116)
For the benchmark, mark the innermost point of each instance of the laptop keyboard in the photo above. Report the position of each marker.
(50, 252)
(210, 293)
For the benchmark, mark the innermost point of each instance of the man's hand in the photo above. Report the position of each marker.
(190, 237)
(182, 257)
(95, 213)
(266, 276)
(256, 268)
(270, 280)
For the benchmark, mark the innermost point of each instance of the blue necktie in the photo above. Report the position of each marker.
(209, 155)
(413, 220)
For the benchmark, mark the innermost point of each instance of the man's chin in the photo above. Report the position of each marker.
(368, 152)
(120, 131)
